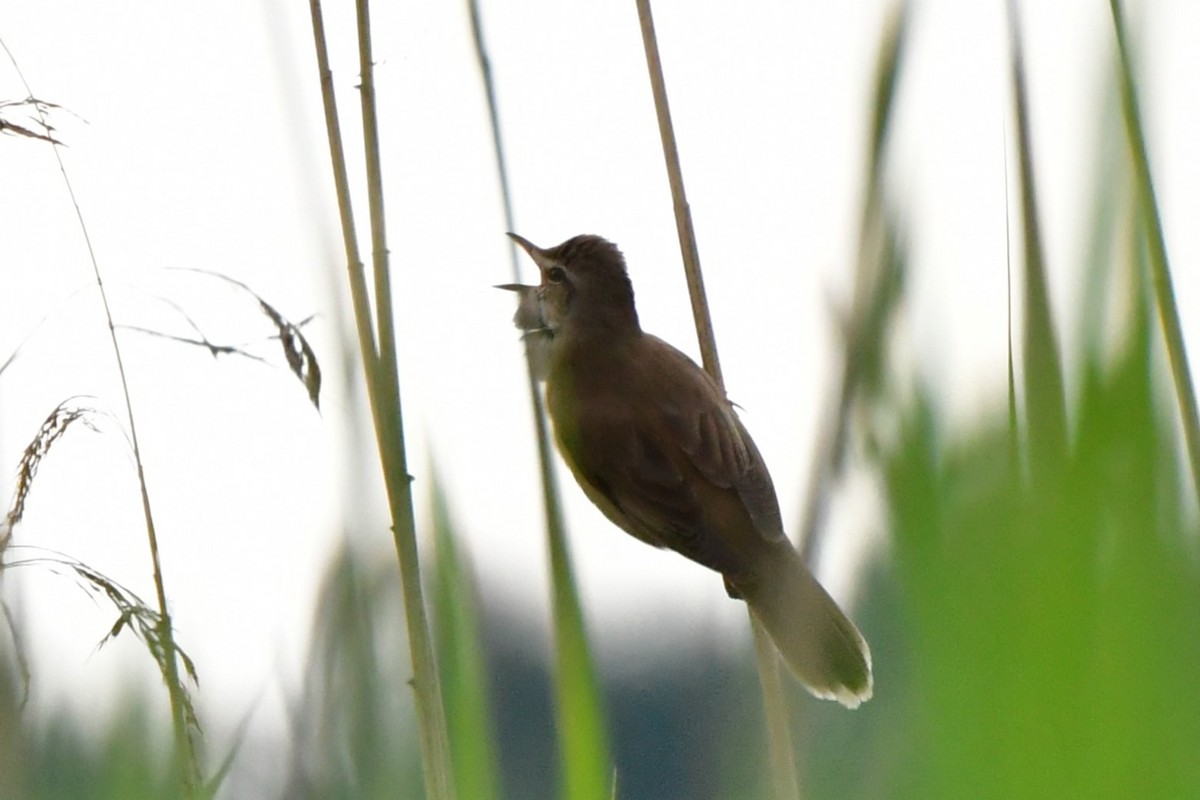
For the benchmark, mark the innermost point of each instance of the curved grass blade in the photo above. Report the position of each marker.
(187, 755)
(878, 288)
(297, 352)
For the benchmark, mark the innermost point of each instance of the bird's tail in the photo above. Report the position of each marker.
(820, 645)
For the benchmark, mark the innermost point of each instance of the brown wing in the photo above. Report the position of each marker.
(660, 451)
(720, 448)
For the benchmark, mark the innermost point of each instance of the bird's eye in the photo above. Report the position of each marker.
(556, 274)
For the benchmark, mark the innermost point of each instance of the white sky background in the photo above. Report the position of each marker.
(204, 147)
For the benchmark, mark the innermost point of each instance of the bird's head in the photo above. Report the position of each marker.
(584, 286)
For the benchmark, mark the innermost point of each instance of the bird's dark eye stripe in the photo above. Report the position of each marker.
(556, 274)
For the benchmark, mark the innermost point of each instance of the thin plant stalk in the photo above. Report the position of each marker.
(775, 707)
(683, 212)
(586, 763)
(1160, 270)
(384, 318)
(1045, 400)
(426, 681)
(379, 366)
(186, 754)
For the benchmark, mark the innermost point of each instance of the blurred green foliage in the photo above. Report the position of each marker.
(354, 731)
(62, 758)
(1051, 619)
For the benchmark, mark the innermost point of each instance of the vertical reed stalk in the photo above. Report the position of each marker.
(783, 763)
(383, 391)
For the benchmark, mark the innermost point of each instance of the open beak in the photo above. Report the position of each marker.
(536, 253)
(526, 245)
(529, 308)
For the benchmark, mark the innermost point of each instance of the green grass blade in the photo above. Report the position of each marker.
(1160, 271)
(585, 762)
(463, 665)
(585, 766)
(1045, 403)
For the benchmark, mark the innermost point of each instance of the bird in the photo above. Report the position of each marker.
(656, 445)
